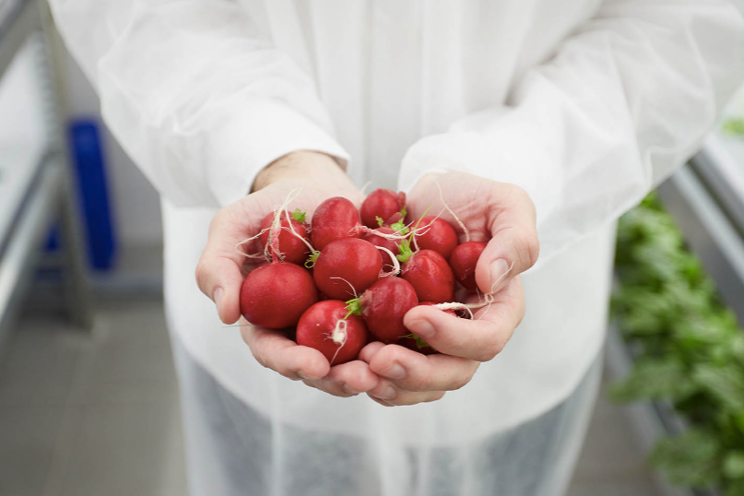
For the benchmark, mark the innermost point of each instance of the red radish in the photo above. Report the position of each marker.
(429, 274)
(381, 205)
(436, 234)
(347, 267)
(463, 261)
(326, 327)
(290, 247)
(387, 263)
(383, 306)
(336, 218)
(416, 343)
(275, 295)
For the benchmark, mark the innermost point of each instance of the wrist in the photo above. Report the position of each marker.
(302, 164)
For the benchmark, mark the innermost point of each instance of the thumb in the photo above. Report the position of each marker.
(514, 246)
(218, 272)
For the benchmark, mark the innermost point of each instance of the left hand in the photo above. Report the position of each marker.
(500, 214)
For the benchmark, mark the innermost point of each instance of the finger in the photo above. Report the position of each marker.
(370, 350)
(348, 379)
(386, 394)
(412, 371)
(274, 350)
(514, 246)
(218, 272)
(480, 339)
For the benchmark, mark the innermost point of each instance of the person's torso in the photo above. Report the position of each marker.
(391, 72)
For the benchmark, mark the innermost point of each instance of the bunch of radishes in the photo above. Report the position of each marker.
(350, 276)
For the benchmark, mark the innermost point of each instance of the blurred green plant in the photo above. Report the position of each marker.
(690, 350)
(735, 127)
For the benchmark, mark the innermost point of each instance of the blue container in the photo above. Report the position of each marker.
(93, 191)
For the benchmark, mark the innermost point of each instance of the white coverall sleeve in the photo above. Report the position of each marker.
(626, 99)
(196, 95)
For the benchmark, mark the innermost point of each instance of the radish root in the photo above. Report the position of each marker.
(452, 213)
(347, 282)
(396, 263)
(339, 335)
(248, 240)
(488, 299)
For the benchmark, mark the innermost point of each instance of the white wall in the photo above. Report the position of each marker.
(135, 202)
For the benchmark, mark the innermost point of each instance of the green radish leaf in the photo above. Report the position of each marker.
(404, 212)
(380, 222)
(405, 251)
(298, 215)
(420, 342)
(354, 307)
(310, 262)
(400, 227)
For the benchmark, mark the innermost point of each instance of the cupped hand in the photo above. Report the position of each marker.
(313, 178)
(500, 214)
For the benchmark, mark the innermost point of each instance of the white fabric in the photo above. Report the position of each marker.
(587, 104)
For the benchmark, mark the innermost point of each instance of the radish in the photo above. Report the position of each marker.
(275, 295)
(463, 261)
(336, 218)
(346, 267)
(289, 247)
(436, 234)
(428, 273)
(416, 343)
(388, 265)
(383, 306)
(326, 327)
(381, 205)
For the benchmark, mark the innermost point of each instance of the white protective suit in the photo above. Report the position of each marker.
(587, 104)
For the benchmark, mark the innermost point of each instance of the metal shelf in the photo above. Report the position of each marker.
(18, 19)
(706, 199)
(35, 188)
(36, 212)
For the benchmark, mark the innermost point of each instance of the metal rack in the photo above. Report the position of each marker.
(706, 199)
(46, 193)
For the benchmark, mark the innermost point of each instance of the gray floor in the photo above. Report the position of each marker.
(98, 415)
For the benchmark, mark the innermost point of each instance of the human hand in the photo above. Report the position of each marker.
(491, 210)
(221, 269)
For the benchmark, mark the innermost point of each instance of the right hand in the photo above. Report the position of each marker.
(221, 269)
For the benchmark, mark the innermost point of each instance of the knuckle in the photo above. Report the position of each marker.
(489, 351)
(527, 246)
(202, 274)
(435, 397)
(420, 382)
(460, 381)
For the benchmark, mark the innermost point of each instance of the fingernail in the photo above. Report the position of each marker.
(498, 271)
(387, 394)
(396, 372)
(423, 328)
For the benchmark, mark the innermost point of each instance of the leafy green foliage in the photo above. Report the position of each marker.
(691, 350)
(735, 127)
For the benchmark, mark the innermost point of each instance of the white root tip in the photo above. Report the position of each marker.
(276, 225)
(340, 333)
(396, 263)
(248, 240)
(497, 281)
(452, 213)
(347, 282)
